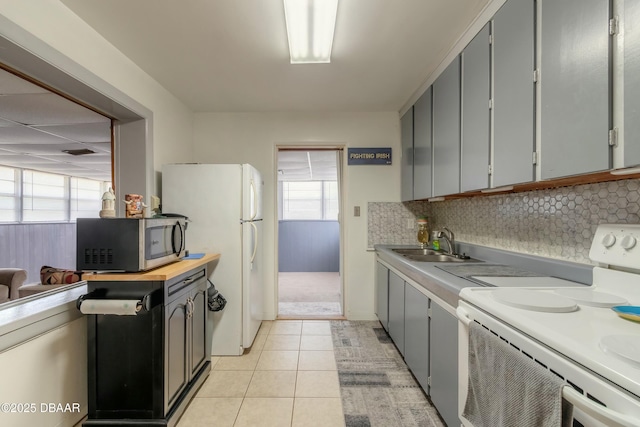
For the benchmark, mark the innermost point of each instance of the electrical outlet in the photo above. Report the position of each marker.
(409, 224)
(155, 203)
(356, 211)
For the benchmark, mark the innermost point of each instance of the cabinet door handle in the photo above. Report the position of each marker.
(189, 307)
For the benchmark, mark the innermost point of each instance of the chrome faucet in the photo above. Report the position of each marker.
(449, 237)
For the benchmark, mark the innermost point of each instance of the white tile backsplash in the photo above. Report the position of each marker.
(555, 223)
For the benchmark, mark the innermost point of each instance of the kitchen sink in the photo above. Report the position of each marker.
(429, 255)
(417, 251)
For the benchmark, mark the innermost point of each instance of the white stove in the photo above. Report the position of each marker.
(574, 331)
(525, 281)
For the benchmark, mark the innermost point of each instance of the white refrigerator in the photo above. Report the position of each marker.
(224, 205)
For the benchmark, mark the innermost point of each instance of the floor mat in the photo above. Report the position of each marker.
(376, 386)
(309, 308)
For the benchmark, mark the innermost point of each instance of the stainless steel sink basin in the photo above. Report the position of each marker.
(416, 251)
(429, 255)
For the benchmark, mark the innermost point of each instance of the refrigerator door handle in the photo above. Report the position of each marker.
(255, 241)
(254, 201)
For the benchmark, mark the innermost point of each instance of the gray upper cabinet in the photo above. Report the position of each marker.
(574, 77)
(631, 83)
(446, 131)
(406, 168)
(476, 114)
(422, 146)
(513, 33)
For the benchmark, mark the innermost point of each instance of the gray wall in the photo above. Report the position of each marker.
(30, 246)
(308, 246)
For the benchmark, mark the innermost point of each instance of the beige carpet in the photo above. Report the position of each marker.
(309, 294)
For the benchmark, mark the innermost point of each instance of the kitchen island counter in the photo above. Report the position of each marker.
(166, 272)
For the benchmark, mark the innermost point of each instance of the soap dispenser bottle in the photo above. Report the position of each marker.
(423, 232)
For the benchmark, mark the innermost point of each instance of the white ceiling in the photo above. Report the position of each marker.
(232, 55)
(36, 125)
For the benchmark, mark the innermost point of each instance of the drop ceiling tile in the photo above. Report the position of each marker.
(23, 161)
(6, 123)
(104, 147)
(43, 149)
(85, 159)
(45, 109)
(64, 168)
(101, 174)
(60, 124)
(27, 135)
(83, 132)
(307, 165)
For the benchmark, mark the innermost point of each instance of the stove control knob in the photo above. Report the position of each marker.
(608, 240)
(628, 242)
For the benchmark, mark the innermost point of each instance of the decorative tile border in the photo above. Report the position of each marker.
(555, 223)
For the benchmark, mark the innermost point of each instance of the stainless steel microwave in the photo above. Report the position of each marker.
(128, 244)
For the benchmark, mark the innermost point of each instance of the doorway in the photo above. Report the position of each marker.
(309, 234)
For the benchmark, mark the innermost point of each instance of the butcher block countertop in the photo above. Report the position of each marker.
(163, 273)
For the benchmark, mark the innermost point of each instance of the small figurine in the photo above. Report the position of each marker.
(135, 208)
(108, 204)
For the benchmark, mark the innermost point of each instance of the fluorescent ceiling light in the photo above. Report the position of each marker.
(310, 27)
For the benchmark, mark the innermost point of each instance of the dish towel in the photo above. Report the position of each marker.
(508, 389)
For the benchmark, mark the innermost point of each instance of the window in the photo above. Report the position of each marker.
(9, 195)
(331, 200)
(32, 196)
(310, 200)
(44, 197)
(86, 198)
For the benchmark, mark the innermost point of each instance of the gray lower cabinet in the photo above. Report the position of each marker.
(476, 114)
(406, 168)
(575, 87)
(382, 295)
(446, 131)
(396, 310)
(631, 83)
(416, 333)
(443, 348)
(427, 337)
(422, 146)
(513, 30)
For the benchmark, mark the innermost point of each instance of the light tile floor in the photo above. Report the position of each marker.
(287, 378)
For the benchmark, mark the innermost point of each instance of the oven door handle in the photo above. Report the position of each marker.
(463, 316)
(597, 411)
